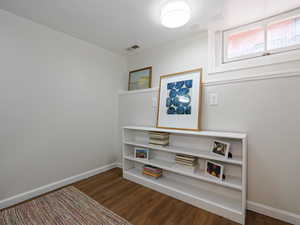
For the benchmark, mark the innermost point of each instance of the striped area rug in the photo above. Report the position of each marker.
(67, 206)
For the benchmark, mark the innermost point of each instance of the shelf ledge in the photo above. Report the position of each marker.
(217, 134)
(122, 92)
(187, 151)
(232, 182)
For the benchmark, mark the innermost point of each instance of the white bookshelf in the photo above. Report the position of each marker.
(226, 198)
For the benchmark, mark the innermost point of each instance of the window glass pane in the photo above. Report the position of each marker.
(245, 43)
(284, 33)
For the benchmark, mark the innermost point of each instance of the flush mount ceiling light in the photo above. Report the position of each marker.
(175, 14)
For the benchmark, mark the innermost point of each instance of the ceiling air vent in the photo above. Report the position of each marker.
(132, 48)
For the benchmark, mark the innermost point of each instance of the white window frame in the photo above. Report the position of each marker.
(264, 23)
(283, 49)
(227, 33)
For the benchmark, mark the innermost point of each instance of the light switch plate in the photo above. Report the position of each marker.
(213, 99)
(154, 102)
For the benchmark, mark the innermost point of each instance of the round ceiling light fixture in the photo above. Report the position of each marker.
(175, 14)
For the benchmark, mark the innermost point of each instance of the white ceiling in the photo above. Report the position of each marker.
(113, 24)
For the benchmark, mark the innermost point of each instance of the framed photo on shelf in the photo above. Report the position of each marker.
(179, 101)
(214, 170)
(141, 153)
(140, 79)
(220, 148)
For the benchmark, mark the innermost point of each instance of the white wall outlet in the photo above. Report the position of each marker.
(213, 99)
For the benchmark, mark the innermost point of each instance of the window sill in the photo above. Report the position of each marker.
(254, 63)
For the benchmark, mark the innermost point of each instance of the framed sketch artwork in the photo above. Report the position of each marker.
(179, 101)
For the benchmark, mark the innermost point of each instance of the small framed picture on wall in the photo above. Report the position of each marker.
(179, 101)
(140, 79)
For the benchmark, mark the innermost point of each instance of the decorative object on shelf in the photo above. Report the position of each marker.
(141, 153)
(179, 100)
(220, 148)
(214, 170)
(159, 138)
(152, 171)
(140, 79)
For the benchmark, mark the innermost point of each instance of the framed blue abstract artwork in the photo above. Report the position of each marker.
(180, 100)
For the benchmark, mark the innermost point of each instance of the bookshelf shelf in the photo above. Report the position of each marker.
(231, 182)
(206, 196)
(226, 198)
(198, 133)
(187, 151)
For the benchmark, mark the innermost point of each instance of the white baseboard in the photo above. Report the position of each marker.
(275, 213)
(119, 165)
(50, 187)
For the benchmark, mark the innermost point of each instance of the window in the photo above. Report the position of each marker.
(283, 34)
(272, 35)
(245, 44)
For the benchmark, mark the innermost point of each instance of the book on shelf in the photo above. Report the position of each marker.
(152, 171)
(158, 142)
(158, 138)
(159, 135)
(185, 157)
(152, 174)
(152, 168)
(186, 164)
(186, 160)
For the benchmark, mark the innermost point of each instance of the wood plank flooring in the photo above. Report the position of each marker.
(143, 206)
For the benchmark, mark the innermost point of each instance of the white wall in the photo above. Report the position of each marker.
(172, 57)
(58, 105)
(268, 110)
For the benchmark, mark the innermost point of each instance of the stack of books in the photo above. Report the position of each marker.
(159, 138)
(186, 163)
(186, 160)
(152, 171)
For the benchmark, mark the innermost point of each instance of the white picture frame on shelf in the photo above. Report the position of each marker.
(220, 148)
(141, 153)
(214, 170)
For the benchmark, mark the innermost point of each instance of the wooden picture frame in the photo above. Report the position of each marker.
(134, 85)
(195, 99)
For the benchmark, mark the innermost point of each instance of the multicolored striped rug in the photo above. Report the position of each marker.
(67, 206)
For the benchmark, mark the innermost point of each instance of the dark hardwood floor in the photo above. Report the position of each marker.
(143, 206)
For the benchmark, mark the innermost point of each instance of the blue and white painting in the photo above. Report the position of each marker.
(178, 101)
